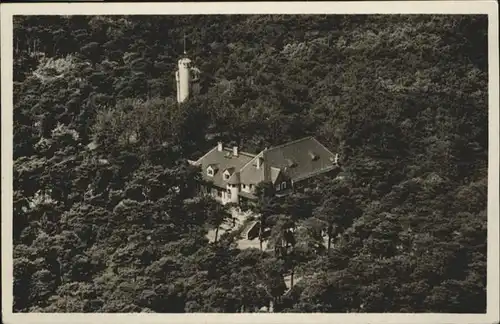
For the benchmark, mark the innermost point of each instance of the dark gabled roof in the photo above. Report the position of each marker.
(250, 174)
(297, 160)
(224, 160)
(301, 152)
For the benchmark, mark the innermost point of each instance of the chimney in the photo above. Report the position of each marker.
(219, 146)
(336, 161)
(235, 150)
(259, 162)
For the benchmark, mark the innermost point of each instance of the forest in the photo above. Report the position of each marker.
(105, 213)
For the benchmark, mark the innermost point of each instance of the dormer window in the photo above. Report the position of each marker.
(211, 169)
(291, 163)
(227, 173)
(313, 156)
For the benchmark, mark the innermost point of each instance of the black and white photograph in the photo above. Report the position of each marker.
(244, 162)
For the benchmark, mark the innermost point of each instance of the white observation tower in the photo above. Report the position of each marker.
(184, 76)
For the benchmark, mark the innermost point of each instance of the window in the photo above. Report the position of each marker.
(278, 188)
(229, 194)
(283, 185)
(313, 156)
(210, 172)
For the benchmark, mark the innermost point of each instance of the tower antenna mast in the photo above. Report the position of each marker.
(184, 43)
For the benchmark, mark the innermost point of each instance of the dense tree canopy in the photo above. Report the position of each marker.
(105, 213)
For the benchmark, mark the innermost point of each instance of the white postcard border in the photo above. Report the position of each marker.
(376, 7)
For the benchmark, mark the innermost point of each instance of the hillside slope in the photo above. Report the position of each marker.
(103, 215)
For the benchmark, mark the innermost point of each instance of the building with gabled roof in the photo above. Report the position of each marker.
(233, 175)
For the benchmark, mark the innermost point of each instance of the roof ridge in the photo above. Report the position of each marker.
(240, 152)
(205, 155)
(248, 154)
(289, 143)
(323, 146)
(248, 163)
